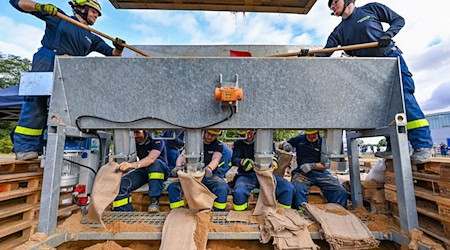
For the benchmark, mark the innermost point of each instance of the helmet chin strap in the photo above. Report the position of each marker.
(84, 14)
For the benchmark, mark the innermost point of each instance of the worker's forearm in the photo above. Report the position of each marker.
(215, 160)
(150, 159)
(27, 5)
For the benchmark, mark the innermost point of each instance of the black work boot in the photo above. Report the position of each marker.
(154, 205)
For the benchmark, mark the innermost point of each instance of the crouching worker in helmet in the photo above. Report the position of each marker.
(216, 157)
(310, 171)
(150, 168)
(60, 38)
(246, 180)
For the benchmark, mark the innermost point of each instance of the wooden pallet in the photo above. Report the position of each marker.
(8, 166)
(437, 166)
(432, 209)
(19, 195)
(432, 182)
(429, 226)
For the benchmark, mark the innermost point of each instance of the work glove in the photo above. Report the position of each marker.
(307, 167)
(303, 52)
(174, 171)
(208, 171)
(274, 162)
(48, 8)
(248, 164)
(286, 146)
(127, 166)
(384, 40)
(117, 43)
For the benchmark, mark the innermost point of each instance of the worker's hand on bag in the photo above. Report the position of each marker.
(274, 162)
(127, 166)
(175, 170)
(384, 40)
(248, 164)
(303, 52)
(208, 171)
(117, 43)
(307, 167)
(286, 146)
(48, 8)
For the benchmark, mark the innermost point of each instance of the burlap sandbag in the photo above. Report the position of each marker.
(196, 195)
(342, 229)
(266, 198)
(105, 190)
(284, 161)
(178, 230)
(288, 229)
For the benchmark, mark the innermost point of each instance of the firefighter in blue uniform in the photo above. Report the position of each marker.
(60, 38)
(216, 162)
(173, 147)
(310, 171)
(246, 180)
(150, 168)
(364, 24)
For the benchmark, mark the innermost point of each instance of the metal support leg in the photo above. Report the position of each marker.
(193, 147)
(334, 144)
(263, 148)
(124, 145)
(51, 183)
(403, 175)
(355, 178)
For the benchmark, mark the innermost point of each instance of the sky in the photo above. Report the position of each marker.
(425, 39)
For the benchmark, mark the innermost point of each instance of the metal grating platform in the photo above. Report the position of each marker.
(158, 219)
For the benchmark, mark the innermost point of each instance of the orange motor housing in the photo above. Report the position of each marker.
(228, 94)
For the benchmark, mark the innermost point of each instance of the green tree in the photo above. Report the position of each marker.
(10, 68)
(382, 143)
(5, 142)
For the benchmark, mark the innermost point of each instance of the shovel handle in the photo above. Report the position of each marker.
(86, 27)
(330, 50)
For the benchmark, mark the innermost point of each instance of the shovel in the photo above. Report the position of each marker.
(330, 50)
(86, 27)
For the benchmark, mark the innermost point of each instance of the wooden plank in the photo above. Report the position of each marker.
(14, 241)
(15, 226)
(17, 162)
(432, 231)
(69, 208)
(445, 171)
(18, 193)
(19, 176)
(425, 194)
(6, 211)
(213, 7)
(444, 211)
(429, 177)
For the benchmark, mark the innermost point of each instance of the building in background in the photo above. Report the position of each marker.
(440, 127)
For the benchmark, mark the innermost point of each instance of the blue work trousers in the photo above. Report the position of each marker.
(333, 191)
(244, 184)
(28, 135)
(215, 184)
(172, 156)
(419, 134)
(154, 175)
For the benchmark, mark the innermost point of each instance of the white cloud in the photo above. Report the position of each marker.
(19, 39)
(426, 24)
